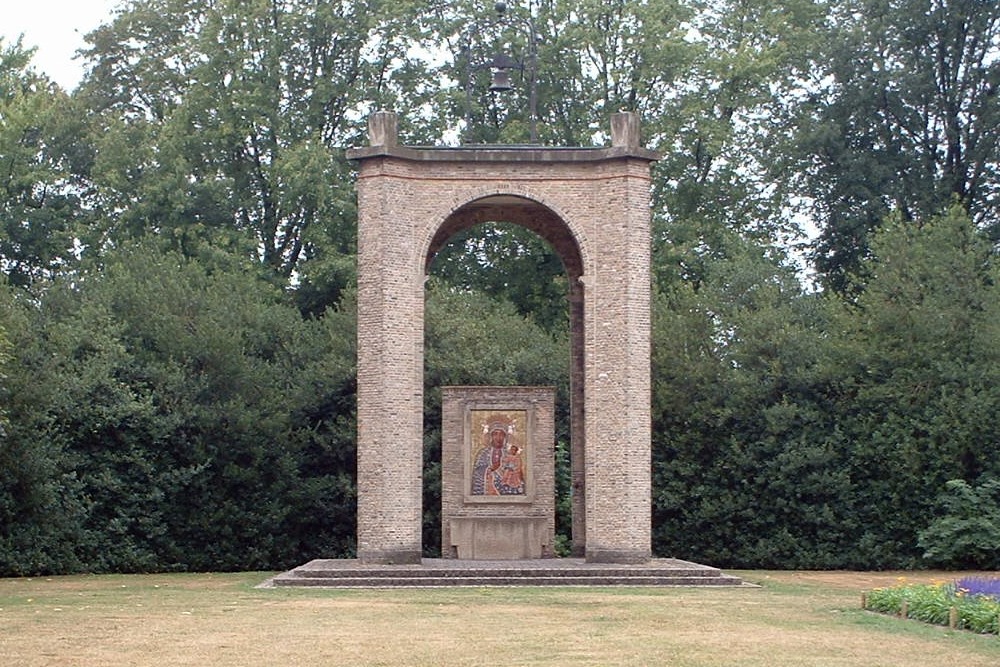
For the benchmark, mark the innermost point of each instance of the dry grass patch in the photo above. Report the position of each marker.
(795, 619)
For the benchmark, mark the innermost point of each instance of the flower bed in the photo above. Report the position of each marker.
(971, 603)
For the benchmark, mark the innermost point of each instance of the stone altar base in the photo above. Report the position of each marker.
(435, 572)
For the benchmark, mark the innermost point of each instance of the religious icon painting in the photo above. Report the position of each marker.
(499, 453)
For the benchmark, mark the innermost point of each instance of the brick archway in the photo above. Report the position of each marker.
(524, 210)
(592, 205)
(520, 209)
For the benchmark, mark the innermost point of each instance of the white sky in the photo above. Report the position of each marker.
(57, 28)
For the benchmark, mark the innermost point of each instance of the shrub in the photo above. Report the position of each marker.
(967, 535)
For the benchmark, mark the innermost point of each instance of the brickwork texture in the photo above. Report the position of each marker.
(592, 205)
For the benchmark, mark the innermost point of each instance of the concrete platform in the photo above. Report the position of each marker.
(437, 572)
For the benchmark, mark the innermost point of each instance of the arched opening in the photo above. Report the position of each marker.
(519, 258)
(518, 210)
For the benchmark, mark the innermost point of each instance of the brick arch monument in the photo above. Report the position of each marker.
(592, 206)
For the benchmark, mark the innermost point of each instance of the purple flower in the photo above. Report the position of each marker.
(984, 586)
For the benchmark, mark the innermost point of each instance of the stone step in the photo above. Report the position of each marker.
(551, 572)
(441, 582)
(472, 572)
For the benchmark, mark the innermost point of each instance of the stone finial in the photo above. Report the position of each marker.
(625, 129)
(383, 129)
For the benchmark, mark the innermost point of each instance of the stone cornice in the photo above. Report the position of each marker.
(503, 153)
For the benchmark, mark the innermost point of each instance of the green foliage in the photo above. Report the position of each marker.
(903, 120)
(223, 122)
(42, 506)
(925, 366)
(4, 360)
(748, 464)
(794, 430)
(966, 533)
(185, 416)
(933, 604)
(509, 264)
(41, 204)
(734, 67)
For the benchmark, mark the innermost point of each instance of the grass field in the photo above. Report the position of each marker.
(794, 619)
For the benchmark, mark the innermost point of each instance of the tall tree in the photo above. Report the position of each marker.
(41, 209)
(905, 119)
(717, 125)
(225, 120)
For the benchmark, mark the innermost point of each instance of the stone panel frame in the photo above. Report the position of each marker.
(528, 520)
(592, 205)
(471, 438)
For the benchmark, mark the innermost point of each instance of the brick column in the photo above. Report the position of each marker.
(390, 366)
(617, 350)
(577, 400)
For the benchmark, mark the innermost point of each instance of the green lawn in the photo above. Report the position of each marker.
(218, 620)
